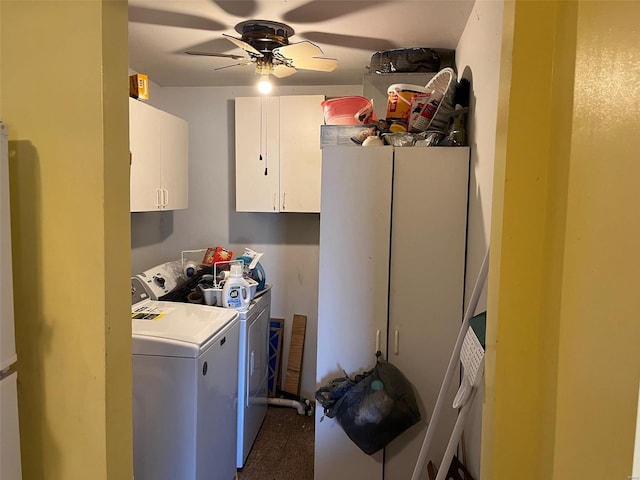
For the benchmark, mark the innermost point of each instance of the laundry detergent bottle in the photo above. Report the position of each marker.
(235, 293)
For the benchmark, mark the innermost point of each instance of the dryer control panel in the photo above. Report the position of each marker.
(138, 291)
(157, 281)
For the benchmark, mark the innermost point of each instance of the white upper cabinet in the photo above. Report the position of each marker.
(159, 144)
(257, 154)
(278, 156)
(300, 153)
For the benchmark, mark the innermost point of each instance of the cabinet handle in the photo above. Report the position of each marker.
(274, 201)
(396, 342)
(158, 198)
(377, 341)
(284, 200)
(166, 197)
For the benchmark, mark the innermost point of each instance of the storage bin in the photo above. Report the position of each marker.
(343, 110)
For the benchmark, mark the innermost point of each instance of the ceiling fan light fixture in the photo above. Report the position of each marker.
(267, 45)
(264, 85)
(264, 67)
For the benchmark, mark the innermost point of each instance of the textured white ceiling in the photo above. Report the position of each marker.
(160, 31)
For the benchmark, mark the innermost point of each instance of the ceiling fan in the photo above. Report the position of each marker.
(267, 45)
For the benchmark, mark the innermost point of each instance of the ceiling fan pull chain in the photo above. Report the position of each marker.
(261, 144)
(266, 135)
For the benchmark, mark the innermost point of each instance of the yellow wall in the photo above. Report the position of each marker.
(599, 360)
(562, 365)
(64, 97)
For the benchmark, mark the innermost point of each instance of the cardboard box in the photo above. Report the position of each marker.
(139, 86)
(331, 135)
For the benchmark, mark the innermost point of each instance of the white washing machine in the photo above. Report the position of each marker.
(185, 390)
(253, 372)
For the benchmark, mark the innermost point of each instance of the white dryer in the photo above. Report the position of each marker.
(253, 372)
(184, 390)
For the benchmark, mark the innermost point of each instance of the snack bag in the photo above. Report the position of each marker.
(218, 254)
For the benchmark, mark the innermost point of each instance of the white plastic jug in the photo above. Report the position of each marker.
(236, 291)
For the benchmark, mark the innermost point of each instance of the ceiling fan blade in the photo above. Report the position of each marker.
(238, 8)
(351, 41)
(318, 64)
(306, 55)
(173, 19)
(234, 65)
(281, 71)
(218, 44)
(317, 11)
(243, 45)
(223, 55)
(303, 49)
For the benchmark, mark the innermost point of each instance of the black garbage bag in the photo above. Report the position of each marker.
(372, 408)
(398, 60)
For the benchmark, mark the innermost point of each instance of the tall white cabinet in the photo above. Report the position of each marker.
(10, 460)
(278, 156)
(159, 145)
(392, 257)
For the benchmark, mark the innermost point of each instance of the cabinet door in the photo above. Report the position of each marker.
(174, 167)
(300, 154)
(257, 154)
(426, 287)
(145, 157)
(353, 285)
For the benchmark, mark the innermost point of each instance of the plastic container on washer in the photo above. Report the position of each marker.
(236, 291)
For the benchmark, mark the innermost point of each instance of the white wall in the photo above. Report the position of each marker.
(478, 59)
(289, 240)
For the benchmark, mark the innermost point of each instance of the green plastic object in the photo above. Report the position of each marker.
(479, 326)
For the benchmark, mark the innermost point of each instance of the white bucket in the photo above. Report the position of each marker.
(399, 100)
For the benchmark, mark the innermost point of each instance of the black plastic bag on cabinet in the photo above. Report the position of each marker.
(372, 409)
(405, 60)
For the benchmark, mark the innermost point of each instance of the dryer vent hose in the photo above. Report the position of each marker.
(302, 408)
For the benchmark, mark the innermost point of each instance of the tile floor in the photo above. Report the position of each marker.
(283, 449)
